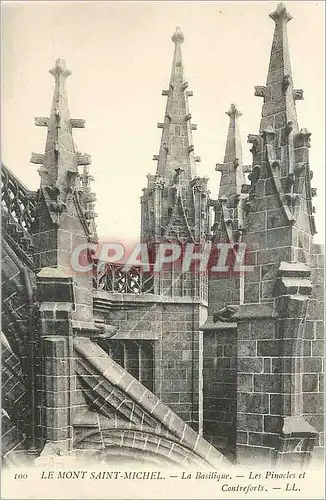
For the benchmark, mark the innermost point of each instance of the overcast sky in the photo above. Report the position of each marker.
(120, 54)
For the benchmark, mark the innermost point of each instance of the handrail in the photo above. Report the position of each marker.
(18, 202)
(15, 178)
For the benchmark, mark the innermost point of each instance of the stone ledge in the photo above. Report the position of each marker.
(54, 272)
(56, 306)
(143, 297)
(251, 311)
(89, 327)
(210, 325)
(135, 335)
(294, 269)
(298, 427)
(293, 286)
(295, 282)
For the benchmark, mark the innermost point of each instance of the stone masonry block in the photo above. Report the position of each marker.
(253, 403)
(273, 423)
(246, 348)
(250, 422)
(310, 382)
(313, 403)
(250, 365)
(245, 382)
(312, 365)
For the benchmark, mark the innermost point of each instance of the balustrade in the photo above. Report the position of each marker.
(18, 209)
(114, 278)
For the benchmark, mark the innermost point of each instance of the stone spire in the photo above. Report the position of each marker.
(232, 177)
(279, 117)
(278, 213)
(60, 161)
(279, 94)
(176, 149)
(281, 145)
(174, 203)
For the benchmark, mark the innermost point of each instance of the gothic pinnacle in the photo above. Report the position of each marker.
(279, 95)
(60, 160)
(233, 150)
(177, 148)
(232, 171)
(279, 144)
(280, 65)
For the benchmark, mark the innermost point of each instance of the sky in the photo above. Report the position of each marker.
(120, 54)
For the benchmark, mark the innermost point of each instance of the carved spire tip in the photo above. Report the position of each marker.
(178, 36)
(60, 68)
(234, 111)
(179, 170)
(281, 13)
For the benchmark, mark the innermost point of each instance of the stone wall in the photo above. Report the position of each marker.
(129, 418)
(223, 290)
(135, 356)
(172, 327)
(313, 373)
(220, 389)
(257, 379)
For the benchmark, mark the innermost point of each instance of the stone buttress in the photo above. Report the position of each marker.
(278, 352)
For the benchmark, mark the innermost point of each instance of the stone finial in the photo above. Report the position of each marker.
(281, 14)
(177, 37)
(60, 69)
(233, 112)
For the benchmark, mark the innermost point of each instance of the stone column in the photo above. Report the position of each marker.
(57, 378)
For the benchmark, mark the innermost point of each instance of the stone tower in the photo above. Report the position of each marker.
(272, 331)
(276, 349)
(174, 205)
(228, 287)
(175, 212)
(64, 219)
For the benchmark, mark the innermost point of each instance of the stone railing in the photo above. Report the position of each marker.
(18, 209)
(113, 278)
